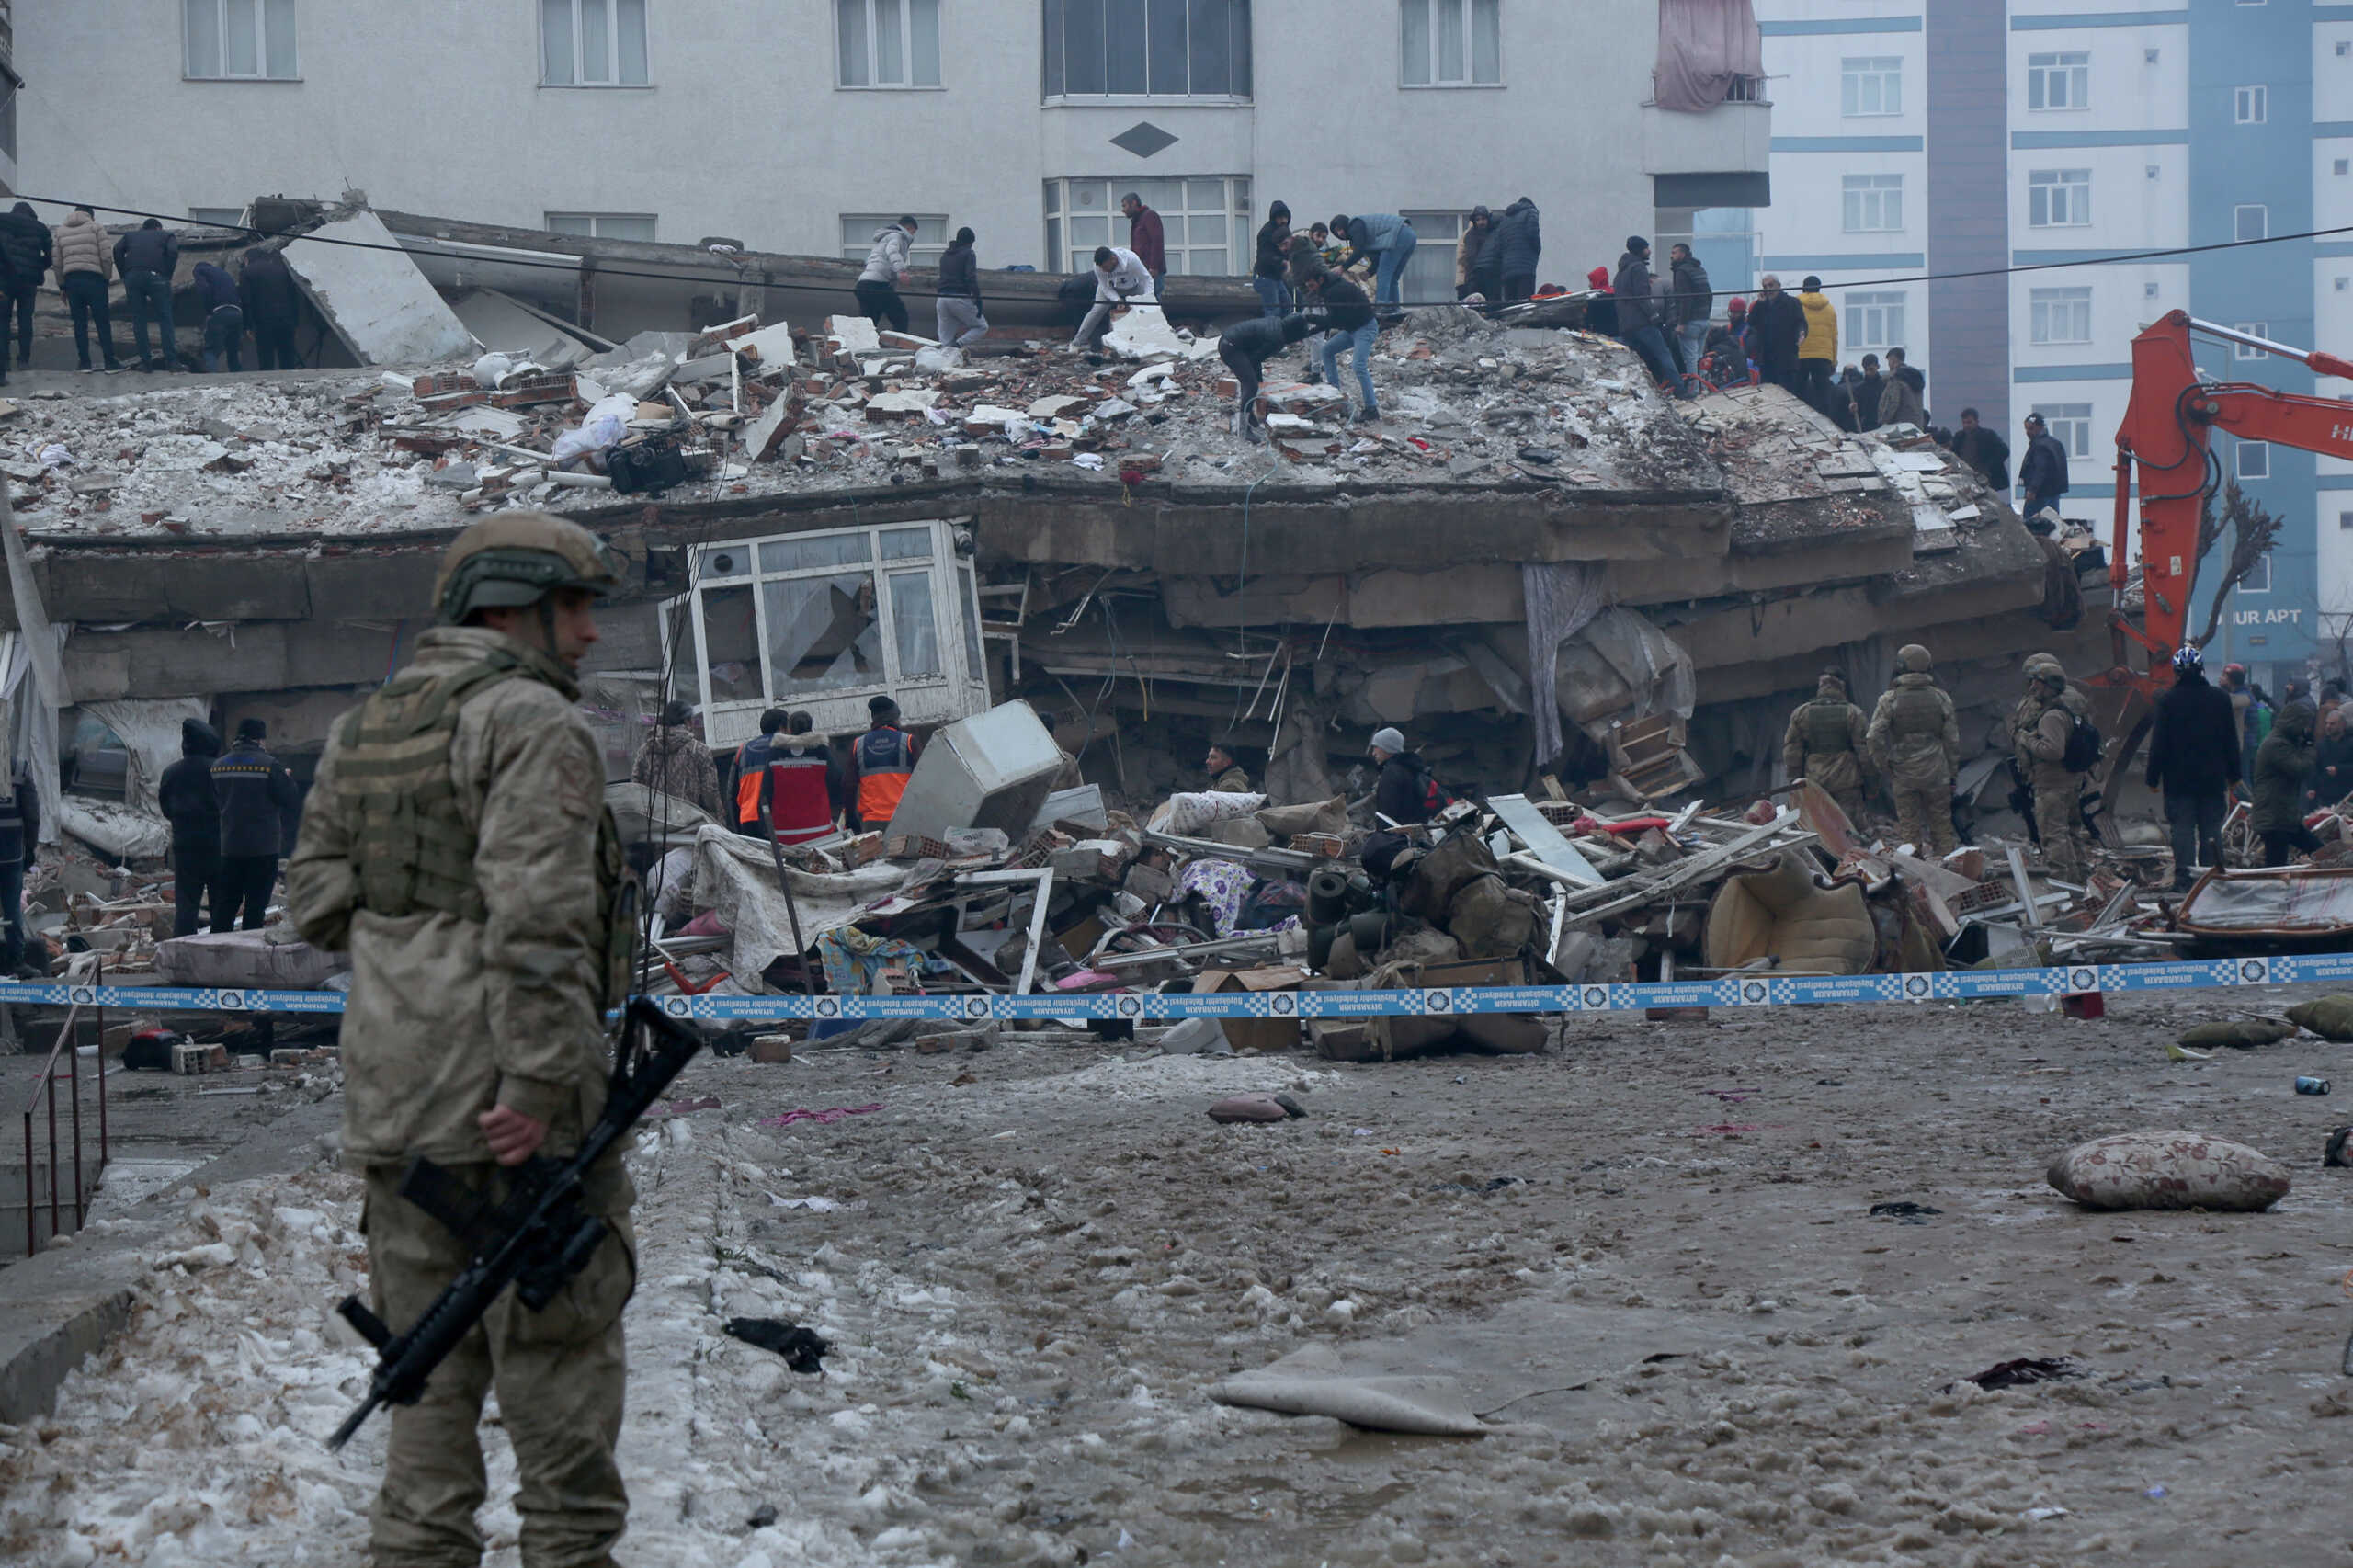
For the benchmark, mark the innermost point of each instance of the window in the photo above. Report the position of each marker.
(1453, 43)
(591, 44)
(1206, 223)
(240, 39)
(2250, 106)
(1197, 49)
(2059, 81)
(2252, 329)
(2251, 222)
(1874, 320)
(1430, 275)
(604, 225)
(2258, 577)
(2059, 198)
(2255, 459)
(2071, 425)
(1873, 85)
(858, 229)
(2061, 315)
(1873, 203)
(2344, 522)
(887, 43)
(219, 217)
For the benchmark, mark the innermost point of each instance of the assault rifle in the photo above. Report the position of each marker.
(536, 1241)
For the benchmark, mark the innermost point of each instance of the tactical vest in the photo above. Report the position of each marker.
(885, 758)
(1915, 711)
(1827, 731)
(412, 849)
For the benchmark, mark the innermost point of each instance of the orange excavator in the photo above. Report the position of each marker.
(2168, 430)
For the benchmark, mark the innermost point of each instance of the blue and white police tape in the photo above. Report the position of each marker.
(1732, 991)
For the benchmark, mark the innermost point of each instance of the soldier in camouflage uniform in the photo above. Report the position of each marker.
(1825, 743)
(2043, 721)
(456, 844)
(1915, 741)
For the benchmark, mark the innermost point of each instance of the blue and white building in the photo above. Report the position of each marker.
(1919, 138)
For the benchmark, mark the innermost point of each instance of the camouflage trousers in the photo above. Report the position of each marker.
(560, 1376)
(1924, 815)
(2066, 845)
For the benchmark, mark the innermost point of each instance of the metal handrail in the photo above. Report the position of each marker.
(47, 1083)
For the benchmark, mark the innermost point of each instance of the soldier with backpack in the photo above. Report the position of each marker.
(2057, 745)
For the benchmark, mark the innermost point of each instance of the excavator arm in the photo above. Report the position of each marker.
(2168, 430)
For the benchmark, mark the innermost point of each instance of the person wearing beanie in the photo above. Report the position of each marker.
(1407, 790)
(1775, 325)
(957, 315)
(880, 765)
(260, 808)
(1723, 354)
(1818, 351)
(1638, 318)
(1600, 312)
(1273, 261)
(748, 773)
(190, 804)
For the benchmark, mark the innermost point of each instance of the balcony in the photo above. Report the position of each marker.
(1715, 158)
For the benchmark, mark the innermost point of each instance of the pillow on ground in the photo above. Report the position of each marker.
(2169, 1170)
(2239, 1034)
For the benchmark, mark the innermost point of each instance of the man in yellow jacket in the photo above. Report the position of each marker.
(1818, 354)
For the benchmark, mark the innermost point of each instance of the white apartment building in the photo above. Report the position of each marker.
(803, 125)
(2044, 143)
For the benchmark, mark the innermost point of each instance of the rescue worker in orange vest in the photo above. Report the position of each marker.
(883, 758)
(805, 783)
(752, 772)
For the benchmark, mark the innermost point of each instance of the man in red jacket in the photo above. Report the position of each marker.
(1146, 238)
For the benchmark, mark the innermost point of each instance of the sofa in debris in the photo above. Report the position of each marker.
(1785, 915)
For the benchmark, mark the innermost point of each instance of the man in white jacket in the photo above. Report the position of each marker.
(1120, 278)
(886, 269)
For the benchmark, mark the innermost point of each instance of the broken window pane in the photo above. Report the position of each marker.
(914, 625)
(628, 26)
(923, 37)
(890, 44)
(1123, 45)
(555, 42)
(1213, 58)
(823, 633)
(850, 31)
(204, 18)
(905, 544)
(595, 44)
(1167, 46)
(278, 44)
(969, 607)
(813, 550)
(240, 38)
(730, 645)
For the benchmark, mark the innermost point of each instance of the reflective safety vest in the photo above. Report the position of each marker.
(752, 771)
(886, 755)
(800, 806)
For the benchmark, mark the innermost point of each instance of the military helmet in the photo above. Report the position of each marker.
(1913, 659)
(516, 559)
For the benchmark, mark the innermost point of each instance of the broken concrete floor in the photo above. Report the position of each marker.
(1649, 1251)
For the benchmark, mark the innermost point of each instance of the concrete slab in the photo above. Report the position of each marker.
(376, 300)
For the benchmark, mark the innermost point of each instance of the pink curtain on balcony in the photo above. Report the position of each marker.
(1704, 47)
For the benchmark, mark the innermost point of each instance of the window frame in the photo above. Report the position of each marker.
(1054, 12)
(220, 37)
(2251, 105)
(2041, 183)
(1069, 257)
(2252, 329)
(613, 50)
(2239, 450)
(2238, 222)
(908, 53)
(2044, 306)
(1859, 193)
(1431, 20)
(549, 220)
(2074, 419)
(2262, 568)
(2071, 67)
(1860, 310)
(1854, 69)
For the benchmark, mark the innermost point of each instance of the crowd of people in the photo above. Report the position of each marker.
(259, 299)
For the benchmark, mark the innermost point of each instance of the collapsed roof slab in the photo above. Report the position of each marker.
(379, 303)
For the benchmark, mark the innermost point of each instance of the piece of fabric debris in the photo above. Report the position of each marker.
(803, 1349)
(853, 959)
(831, 1114)
(1221, 885)
(1311, 1382)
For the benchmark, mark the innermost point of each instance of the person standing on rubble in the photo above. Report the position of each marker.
(2042, 472)
(1226, 775)
(2282, 765)
(1639, 317)
(1346, 316)
(258, 797)
(2049, 717)
(1827, 742)
(1273, 260)
(20, 835)
(957, 314)
(1120, 279)
(224, 317)
(1407, 790)
(674, 761)
(1692, 301)
(1982, 449)
(146, 258)
(25, 246)
(2194, 759)
(459, 849)
(1519, 245)
(750, 771)
(1601, 309)
(1776, 324)
(1149, 239)
(1818, 351)
(805, 783)
(1246, 347)
(1899, 402)
(1387, 241)
(1915, 741)
(189, 803)
(271, 308)
(882, 763)
(85, 268)
(2332, 777)
(886, 269)
(1473, 252)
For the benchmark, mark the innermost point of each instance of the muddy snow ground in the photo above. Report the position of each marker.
(1648, 1252)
